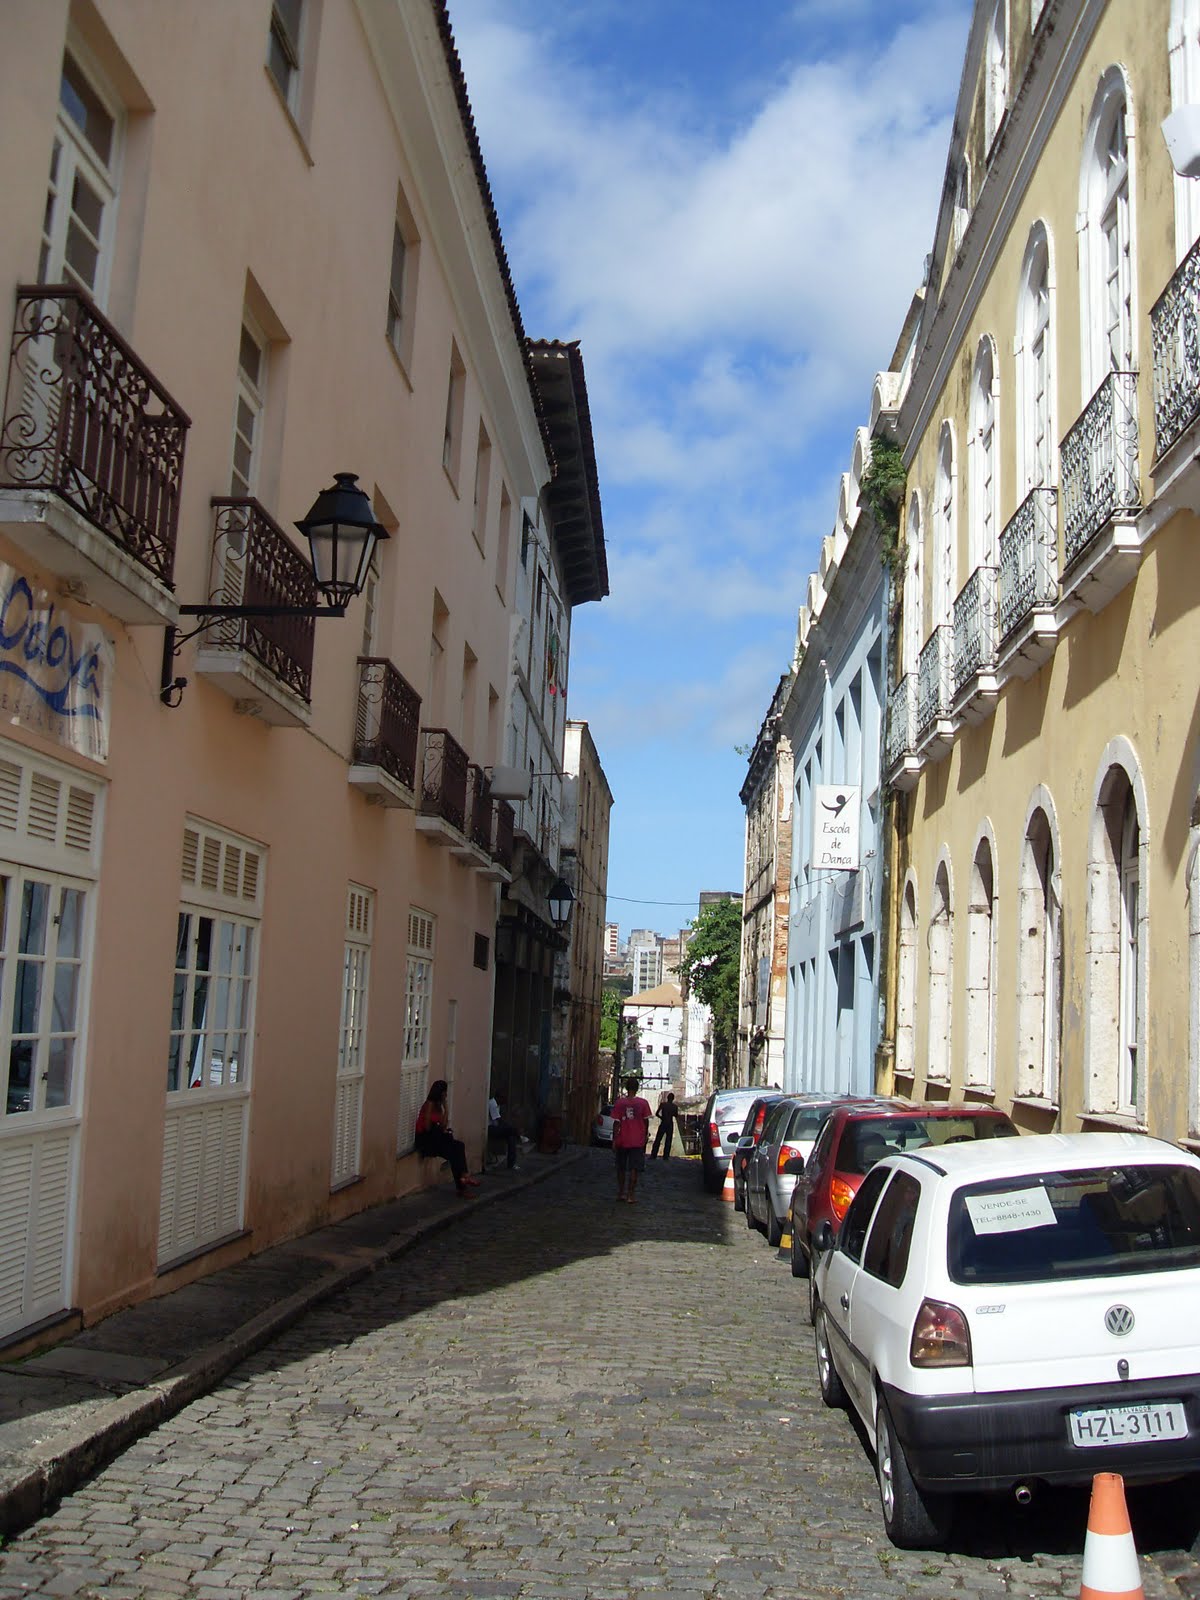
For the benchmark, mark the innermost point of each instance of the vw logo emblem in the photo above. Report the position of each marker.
(1119, 1320)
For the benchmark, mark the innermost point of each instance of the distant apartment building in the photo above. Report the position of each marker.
(762, 993)
(612, 938)
(646, 963)
(654, 1033)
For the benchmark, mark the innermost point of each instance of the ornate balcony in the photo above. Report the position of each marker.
(935, 730)
(975, 683)
(903, 765)
(442, 811)
(91, 456)
(1101, 494)
(264, 663)
(386, 729)
(1029, 583)
(503, 834)
(1175, 339)
(475, 849)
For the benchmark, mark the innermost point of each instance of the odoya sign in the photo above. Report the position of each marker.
(55, 670)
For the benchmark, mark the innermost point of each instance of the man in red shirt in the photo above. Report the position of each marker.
(631, 1128)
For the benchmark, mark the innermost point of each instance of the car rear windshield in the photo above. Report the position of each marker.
(1075, 1225)
(806, 1123)
(865, 1143)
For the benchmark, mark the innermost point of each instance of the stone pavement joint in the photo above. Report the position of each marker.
(68, 1411)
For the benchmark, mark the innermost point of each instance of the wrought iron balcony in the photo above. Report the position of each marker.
(1029, 560)
(386, 728)
(933, 679)
(1100, 464)
(480, 830)
(975, 627)
(87, 423)
(1175, 340)
(503, 831)
(266, 660)
(901, 720)
(444, 780)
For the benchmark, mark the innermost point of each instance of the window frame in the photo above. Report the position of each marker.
(73, 154)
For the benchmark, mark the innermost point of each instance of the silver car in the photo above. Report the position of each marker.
(721, 1124)
(788, 1135)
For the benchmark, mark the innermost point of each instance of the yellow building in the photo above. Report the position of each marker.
(1044, 734)
(245, 920)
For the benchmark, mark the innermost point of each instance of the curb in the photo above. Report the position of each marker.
(114, 1426)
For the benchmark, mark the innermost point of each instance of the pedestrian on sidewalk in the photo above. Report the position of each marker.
(435, 1137)
(631, 1129)
(500, 1128)
(668, 1112)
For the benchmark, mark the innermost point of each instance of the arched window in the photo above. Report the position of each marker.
(1184, 48)
(906, 987)
(1035, 360)
(1116, 945)
(1039, 964)
(962, 203)
(913, 580)
(995, 67)
(941, 971)
(1106, 239)
(981, 972)
(984, 533)
(944, 529)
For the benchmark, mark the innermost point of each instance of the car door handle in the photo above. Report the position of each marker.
(844, 1302)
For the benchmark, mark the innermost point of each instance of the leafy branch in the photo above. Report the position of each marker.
(881, 491)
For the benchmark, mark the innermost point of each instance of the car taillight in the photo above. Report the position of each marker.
(714, 1136)
(940, 1337)
(786, 1153)
(840, 1196)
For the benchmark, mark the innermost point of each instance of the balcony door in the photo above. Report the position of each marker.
(82, 190)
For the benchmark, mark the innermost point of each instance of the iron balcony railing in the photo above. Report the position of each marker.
(388, 721)
(975, 626)
(444, 778)
(503, 829)
(1100, 464)
(902, 720)
(1175, 341)
(1029, 559)
(933, 678)
(85, 419)
(254, 563)
(480, 830)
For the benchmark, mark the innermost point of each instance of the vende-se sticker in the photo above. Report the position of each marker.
(1009, 1213)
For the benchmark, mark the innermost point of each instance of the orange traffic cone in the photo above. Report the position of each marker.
(1110, 1563)
(727, 1189)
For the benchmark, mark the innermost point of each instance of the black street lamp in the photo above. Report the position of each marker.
(342, 534)
(560, 900)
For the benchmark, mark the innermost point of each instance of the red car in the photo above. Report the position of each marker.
(855, 1137)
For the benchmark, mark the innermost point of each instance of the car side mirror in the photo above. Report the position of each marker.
(823, 1238)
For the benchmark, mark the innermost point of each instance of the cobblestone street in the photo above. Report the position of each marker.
(559, 1396)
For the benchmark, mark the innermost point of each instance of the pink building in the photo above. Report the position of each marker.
(244, 920)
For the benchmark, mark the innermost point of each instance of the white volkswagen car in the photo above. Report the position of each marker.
(1016, 1312)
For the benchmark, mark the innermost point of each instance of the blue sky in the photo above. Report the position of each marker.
(729, 206)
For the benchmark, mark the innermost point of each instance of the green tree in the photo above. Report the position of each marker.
(611, 997)
(710, 971)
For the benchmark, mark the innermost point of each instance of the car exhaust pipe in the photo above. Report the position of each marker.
(1023, 1494)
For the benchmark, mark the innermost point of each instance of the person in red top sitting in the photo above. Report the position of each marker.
(435, 1137)
(631, 1128)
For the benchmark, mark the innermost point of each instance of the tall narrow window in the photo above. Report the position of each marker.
(283, 48)
(1039, 965)
(945, 535)
(906, 988)
(981, 973)
(352, 1037)
(1106, 237)
(1184, 50)
(402, 283)
(504, 542)
(483, 484)
(395, 311)
(995, 66)
(77, 225)
(249, 405)
(913, 581)
(984, 532)
(452, 434)
(418, 1008)
(941, 974)
(1130, 1009)
(1036, 351)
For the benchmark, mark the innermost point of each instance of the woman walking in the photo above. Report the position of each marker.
(435, 1137)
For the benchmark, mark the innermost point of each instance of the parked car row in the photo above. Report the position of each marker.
(1002, 1314)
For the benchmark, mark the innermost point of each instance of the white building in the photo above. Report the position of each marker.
(654, 1023)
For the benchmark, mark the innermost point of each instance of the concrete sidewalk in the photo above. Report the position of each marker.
(68, 1411)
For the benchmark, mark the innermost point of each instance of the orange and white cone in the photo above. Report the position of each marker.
(1110, 1563)
(727, 1189)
